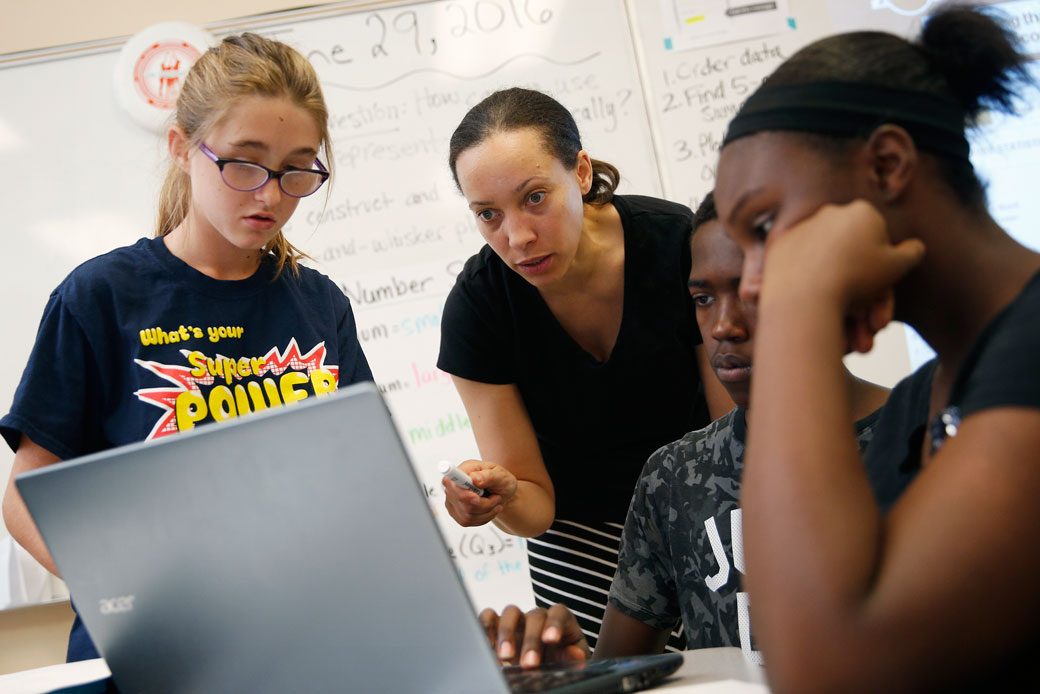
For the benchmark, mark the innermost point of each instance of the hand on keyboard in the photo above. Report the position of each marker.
(538, 636)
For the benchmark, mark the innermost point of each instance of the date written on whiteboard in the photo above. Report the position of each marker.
(388, 33)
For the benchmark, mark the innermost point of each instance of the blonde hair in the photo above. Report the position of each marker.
(240, 67)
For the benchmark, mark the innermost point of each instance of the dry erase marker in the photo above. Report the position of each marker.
(458, 477)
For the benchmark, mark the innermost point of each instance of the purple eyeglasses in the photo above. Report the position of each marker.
(245, 176)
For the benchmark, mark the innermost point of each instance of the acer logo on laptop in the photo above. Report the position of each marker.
(117, 605)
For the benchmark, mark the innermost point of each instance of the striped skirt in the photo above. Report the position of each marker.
(574, 563)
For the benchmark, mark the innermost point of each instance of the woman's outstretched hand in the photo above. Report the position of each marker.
(467, 507)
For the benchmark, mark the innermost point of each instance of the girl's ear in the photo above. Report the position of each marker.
(893, 160)
(179, 144)
(583, 171)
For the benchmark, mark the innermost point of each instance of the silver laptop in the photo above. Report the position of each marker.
(291, 550)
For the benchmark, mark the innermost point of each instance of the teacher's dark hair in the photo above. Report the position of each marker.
(516, 108)
(965, 54)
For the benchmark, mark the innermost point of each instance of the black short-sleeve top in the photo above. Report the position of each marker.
(999, 370)
(596, 422)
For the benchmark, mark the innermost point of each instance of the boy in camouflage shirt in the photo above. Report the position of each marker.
(681, 556)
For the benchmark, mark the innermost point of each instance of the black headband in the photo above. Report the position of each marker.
(854, 110)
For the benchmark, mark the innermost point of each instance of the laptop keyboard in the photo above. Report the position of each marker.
(531, 681)
(627, 674)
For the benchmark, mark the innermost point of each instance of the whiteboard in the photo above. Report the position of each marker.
(694, 91)
(81, 178)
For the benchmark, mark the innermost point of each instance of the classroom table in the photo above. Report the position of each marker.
(706, 671)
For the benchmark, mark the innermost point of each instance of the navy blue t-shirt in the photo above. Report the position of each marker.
(136, 345)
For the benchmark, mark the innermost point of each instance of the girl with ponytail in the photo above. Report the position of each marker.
(211, 319)
(570, 338)
(847, 182)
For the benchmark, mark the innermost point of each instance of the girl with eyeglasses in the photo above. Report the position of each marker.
(212, 318)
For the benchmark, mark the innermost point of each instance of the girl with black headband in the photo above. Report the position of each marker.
(847, 182)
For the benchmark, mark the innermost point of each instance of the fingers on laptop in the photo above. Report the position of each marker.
(510, 630)
(489, 620)
(532, 645)
(562, 635)
(543, 635)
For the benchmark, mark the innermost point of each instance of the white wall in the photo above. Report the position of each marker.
(45, 23)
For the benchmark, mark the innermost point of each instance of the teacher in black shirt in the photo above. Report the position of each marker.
(571, 341)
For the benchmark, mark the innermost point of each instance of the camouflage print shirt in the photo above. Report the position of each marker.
(678, 557)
